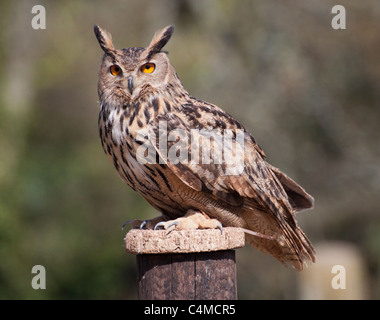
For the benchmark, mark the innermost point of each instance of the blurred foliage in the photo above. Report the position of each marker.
(308, 93)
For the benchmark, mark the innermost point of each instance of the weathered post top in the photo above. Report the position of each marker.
(184, 241)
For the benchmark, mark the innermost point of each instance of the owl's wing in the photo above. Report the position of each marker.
(223, 160)
(210, 155)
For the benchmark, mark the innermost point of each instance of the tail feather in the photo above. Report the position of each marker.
(297, 196)
(284, 241)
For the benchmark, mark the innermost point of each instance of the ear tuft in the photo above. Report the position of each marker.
(160, 39)
(104, 39)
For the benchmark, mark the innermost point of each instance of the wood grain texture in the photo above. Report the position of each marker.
(189, 276)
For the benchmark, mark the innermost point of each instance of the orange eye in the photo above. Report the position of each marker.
(115, 70)
(148, 67)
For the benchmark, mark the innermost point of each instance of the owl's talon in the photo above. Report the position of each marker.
(125, 223)
(166, 225)
(160, 224)
(174, 223)
(220, 227)
(136, 224)
(143, 224)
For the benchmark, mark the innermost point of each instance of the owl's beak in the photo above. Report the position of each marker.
(130, 84)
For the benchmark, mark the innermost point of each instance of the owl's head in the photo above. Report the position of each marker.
(130, 72)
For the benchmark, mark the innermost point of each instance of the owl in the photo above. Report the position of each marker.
(189, 159)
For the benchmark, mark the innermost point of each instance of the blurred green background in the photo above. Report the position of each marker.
(309, 94)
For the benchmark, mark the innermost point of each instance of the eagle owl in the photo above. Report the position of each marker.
(188, 158)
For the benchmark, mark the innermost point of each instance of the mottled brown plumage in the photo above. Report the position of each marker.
(158, 138)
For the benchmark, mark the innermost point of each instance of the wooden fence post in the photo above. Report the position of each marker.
(187, 264)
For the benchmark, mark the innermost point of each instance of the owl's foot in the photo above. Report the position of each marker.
(144, 224)
(192, 220)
